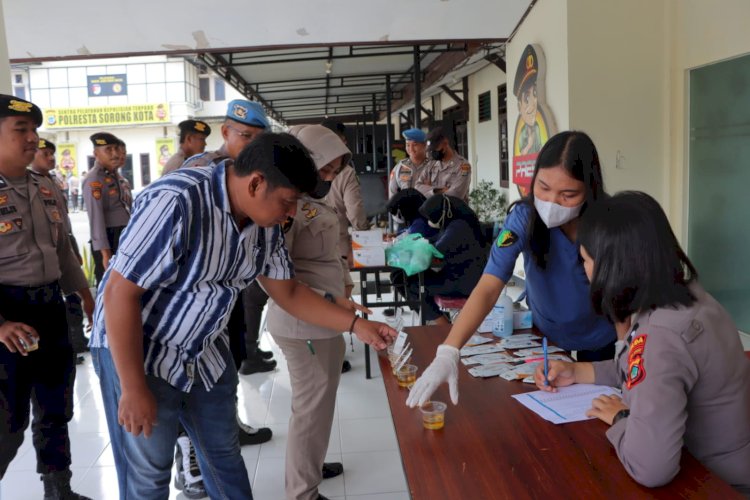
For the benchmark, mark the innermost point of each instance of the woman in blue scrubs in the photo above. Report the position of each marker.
(543, 227)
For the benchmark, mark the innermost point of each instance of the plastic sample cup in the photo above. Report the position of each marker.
(406, 376)
(433, 415)
(30, 347)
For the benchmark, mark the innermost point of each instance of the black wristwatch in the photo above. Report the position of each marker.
(620, 415)
(329, 297)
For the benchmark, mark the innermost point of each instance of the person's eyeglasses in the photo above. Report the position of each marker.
(246, 135)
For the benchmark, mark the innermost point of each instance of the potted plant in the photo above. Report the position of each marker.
(489, 203)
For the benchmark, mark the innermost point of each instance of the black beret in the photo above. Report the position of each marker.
(105, 139)
(195, 126)
(45, 144)
(14, 106)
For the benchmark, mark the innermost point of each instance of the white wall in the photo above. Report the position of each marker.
(546, 25)
(617, 74)
(484, 138)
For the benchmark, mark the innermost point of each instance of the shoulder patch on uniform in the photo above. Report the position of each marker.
(636, 368)
(45, 191)
(3, 199)
(95, 185)
(96, 193)
(506, 238)
(465, 169)
(5, 226)
(311, 214)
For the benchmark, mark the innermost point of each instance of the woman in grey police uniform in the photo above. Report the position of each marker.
(314, 354)
(685, 380)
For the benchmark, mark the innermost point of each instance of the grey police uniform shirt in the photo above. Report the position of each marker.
(454, 175)
(175, 161)
(207, 158)
(108, 200)
(404, 175)
(686, 381)
(35, 248)
(311, 241)
(345, 197)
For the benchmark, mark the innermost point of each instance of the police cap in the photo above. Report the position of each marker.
(247, 112)
(195, 126)
(14, 106)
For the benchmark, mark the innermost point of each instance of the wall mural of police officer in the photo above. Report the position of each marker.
(535, 123)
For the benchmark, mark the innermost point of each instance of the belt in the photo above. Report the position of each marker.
(42, 294)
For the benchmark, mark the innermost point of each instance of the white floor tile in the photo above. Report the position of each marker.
(373, 472)
(369, 404)
(269, 480)
(368, 434)
(398, 495)
(100, 483)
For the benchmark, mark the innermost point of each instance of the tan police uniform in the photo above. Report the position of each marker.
(108, 200)
(686, 382)
(315, 369)
(404, 175)
(175, 161)
(345, 197)
(453, 175)
(207, 158)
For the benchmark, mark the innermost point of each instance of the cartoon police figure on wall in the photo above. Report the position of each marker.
(535, 123)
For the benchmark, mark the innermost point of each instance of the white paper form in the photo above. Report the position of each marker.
(569, 404)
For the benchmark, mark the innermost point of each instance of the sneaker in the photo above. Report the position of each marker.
(250, 435)
(332, 469)
(256, 365)
(188, 478)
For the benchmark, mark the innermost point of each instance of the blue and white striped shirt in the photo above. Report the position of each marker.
(182, 245)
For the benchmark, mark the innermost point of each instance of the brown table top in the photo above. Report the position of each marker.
(493, 447)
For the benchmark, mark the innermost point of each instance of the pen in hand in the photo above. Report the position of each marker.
(546, 360)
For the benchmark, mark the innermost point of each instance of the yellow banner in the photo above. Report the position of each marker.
(136, 114)
(67, 159)
(164, 149)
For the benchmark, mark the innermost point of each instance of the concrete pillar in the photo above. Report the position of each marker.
(5, 83)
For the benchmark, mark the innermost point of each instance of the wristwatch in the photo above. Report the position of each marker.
(620, 415)
(329, 297)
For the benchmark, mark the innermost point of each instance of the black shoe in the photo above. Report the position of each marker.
(345, 366)
(80, 360)
(321, 497)
(250, 435)
(332, 469)
(57, 486)
(256, 365)
(264, 354)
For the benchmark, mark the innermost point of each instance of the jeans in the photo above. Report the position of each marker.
(209, 417)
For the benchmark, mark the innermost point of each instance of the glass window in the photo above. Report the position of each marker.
(18, 78)
(38, 78)
(19, 91)
(96, 70)
(79, 97)
(176, 91)
(175, 71)
(137, 93)
(155, 73)
(157, 92)
(77, 77)
(59, 98)
(219, 90)
(58, 77)
(136, 74)
(40, 97)
(205, 89)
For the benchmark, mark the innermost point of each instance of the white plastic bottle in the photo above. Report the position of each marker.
(502, 311)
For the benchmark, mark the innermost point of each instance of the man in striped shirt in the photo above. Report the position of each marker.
(196, 238)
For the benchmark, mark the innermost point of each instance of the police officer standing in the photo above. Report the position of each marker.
(449, 173)
(107, 199)
(44, 164)
(37, 263)
(193, 135)
(405, 174)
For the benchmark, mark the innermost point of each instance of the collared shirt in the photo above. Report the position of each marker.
(404, 175)
(184, 248)
(108, 200)
(34, 246)
(174, 162)
(453, 175)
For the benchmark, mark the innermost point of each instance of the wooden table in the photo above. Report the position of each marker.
(493, 447)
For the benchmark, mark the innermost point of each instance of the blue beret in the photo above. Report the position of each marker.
(247, 112)
(414, 134)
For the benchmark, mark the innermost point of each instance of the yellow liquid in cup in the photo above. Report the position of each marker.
(433, 422)
(406, 380)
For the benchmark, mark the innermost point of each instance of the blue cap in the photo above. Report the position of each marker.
(414, 134)
(247, 112)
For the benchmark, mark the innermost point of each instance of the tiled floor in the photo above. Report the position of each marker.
(362, 438)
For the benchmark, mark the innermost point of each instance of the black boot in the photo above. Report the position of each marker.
(57, 486)
(256, 364)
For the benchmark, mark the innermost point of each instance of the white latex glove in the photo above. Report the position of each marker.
(444, 368)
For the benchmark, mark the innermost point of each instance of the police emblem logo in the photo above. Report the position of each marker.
(101, 142)
(20, 106)
(3, 199)
(465, 169)
(96, 193)
(239, 111)
(506, 238)
(5, 226)
(200, 126)
(311, 214)
(56, 216)
(636, 369)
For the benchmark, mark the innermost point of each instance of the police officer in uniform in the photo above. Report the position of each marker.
(449, 173)
(405, 174)
(37, 265)
(193, 135)
(107, 199)
(314, 354)
(44, 164)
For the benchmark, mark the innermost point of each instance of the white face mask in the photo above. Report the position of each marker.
(555, 215)
(397, 218)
